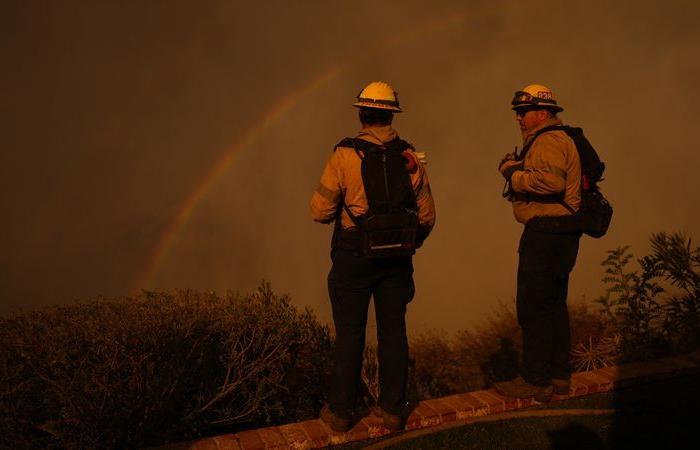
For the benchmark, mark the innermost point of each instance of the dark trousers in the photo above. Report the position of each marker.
(352, 281)
(546, 259)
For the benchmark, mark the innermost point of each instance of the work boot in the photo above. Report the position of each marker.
(561, 386)
(520, 388)
(335, 422)
(392, 422)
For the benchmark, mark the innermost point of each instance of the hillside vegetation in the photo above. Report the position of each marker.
(138, 371)
(169, 366)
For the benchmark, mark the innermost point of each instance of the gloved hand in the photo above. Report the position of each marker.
(508, 167)
(507, 157)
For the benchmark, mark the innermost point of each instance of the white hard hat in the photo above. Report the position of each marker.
(535, 95)
(378, 95)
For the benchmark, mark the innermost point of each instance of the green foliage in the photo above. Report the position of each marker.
(655, 308)
(631, 304)
(679, 264)
(169, 366)
(162, 366)
(436, 366)
(476, 358)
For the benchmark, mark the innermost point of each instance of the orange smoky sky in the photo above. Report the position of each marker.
(177, 144)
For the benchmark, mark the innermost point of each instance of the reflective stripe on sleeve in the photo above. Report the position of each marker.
(327, 193)
(561, 173)
(557, 171)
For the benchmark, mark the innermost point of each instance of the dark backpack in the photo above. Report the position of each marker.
(595, 213)
(389, 226)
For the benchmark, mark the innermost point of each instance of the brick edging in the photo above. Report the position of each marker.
(429, 413)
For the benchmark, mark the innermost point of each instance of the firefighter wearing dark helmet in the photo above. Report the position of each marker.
(374, 189)
(545, 183)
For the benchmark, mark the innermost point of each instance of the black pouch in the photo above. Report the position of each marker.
(389, 228)
(595, 213)
(389, 235)
(592, 218)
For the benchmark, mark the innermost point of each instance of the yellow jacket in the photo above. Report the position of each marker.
(551, 166)
(342, 176)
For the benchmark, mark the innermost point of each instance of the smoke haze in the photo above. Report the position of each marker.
(114, 113)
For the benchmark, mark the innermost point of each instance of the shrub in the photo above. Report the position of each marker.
(656, 308)
(169, 366)
(436, 369)
(679, 264)
(476, 358)
(491, 348)
(162, 366)
(631, 305)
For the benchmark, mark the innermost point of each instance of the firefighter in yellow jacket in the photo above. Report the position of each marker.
(373, 179)
(545, 185)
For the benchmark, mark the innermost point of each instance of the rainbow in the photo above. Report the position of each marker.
(173, 232)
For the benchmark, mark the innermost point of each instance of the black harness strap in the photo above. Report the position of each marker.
(353, 143)
(539, 198)
(362, 146)
(522, 154)
(350, 239)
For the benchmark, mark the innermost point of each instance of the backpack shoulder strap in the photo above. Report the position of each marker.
(355, 144)
(366, 146)
(361, 144)
(398, 145)
(538, 134)
(345, 142)
(568, 130)
(591, 165)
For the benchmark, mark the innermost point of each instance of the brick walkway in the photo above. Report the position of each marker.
(429, 413)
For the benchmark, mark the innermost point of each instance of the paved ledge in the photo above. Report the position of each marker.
(429, 413)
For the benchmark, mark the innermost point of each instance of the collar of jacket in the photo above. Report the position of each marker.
(378, 134)
(529, 135)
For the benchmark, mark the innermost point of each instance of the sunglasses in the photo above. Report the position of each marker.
(520, 112)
